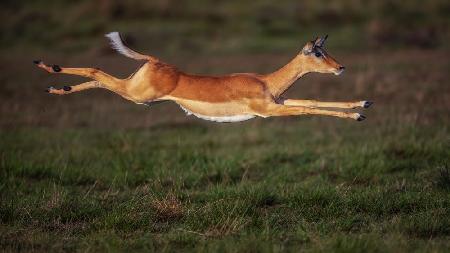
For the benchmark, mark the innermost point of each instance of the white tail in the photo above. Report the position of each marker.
(117, 44)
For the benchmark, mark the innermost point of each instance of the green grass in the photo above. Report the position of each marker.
(253, 187)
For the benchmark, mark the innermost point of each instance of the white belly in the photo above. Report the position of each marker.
(234, 118)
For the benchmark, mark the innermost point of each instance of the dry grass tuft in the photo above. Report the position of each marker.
(168, 208)
(230, 226)
(54, 201)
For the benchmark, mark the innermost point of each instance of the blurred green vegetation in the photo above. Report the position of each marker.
(218, 25)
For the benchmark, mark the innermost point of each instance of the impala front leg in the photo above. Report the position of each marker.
(314, 103)
(75, 88)
(284, 110)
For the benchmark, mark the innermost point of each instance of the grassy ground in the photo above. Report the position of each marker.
(91, 172)
(256, 187)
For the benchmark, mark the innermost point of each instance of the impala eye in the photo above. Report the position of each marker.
(318, 54)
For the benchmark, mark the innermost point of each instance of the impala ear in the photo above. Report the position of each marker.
(308, 48)
(318, 42)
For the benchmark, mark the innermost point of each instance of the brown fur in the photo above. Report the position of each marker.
(220, 96)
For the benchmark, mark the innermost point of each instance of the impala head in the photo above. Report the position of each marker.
(318, 60)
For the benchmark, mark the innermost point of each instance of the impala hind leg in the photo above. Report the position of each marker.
(315, 104)
(75, 88)
(284, 110)
(103, 80)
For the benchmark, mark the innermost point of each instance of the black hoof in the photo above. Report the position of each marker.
(48, 89)
(56, 68)
(367, 104)
(37, 62)
(361, 117)
(67, 88)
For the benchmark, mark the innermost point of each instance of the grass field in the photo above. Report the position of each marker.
(262, 187)
(91, 172)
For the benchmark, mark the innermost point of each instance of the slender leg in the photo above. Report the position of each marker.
(284, 110)
(74, 88)
(314, 104)
(103, 80)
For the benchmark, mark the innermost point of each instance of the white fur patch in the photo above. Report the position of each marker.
(337, 73)
(117, 44)
(235, 118)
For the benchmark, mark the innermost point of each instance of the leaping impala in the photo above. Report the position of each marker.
(229, 98)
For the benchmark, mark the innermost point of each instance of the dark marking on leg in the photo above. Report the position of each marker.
(56, 68)
(367, 104)
(67, 88)
(279, 100)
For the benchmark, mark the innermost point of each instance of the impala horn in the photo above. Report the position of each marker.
(320, 41)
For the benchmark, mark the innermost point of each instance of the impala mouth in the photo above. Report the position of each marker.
(339, 70)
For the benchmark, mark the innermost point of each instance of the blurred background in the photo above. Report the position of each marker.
(396, 53)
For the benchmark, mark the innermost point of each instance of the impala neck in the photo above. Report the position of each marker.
(280, 80)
